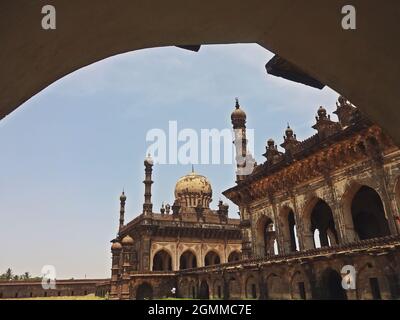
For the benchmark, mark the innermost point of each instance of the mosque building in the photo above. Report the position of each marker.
(316, 211)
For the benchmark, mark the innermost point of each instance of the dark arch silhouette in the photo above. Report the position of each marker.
(251, 288)
(332, 286)
(144, 292)
(162, 261)
(212, 258)
(187, 260)
(234, 256)
(322, 220)
(204, 291)
(266, 236)
(368, 214)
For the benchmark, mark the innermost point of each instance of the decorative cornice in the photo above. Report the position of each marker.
(352, 145)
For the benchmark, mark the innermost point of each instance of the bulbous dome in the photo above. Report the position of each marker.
(238, 113)
(116, 246)
(270, 143)
(127, 240)
(193, 189)
(123, 196)
(289, 132)
(321, 111)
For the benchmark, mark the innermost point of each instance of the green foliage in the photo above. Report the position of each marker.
(9, 275)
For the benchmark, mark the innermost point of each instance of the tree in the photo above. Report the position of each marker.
(26, 276)
(9, 274)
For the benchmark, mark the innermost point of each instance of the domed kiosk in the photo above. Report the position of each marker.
(193, 190)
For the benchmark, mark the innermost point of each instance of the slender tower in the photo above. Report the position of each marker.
(122, 200)
(238, 118)
(147, 205)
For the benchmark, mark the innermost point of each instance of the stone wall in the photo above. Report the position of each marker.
(32, 289)
(312, 274)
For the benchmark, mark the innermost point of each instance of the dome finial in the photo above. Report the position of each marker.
(123, 196)
(237, 105)
(148, 160)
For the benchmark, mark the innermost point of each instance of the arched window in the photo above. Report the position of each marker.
(211, 258)
(323, 225)
(187, 260)
(162, 261)
(234, 256)
(368, 214)
(266, 237)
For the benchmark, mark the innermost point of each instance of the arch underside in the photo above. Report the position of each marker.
(306, 34)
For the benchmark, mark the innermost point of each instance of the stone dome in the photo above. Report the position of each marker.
(238, 114)
(289, 131)
(127, 240)
(116, 246)
(192, 190)
(321, 111)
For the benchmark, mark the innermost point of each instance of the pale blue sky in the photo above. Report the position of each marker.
(67, 153)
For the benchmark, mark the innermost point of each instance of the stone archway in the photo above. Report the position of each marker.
(212, 258)
(252, 289)
(276, 287)
(331, 286)
(289, 229)
(187, 260)
(144, 292)
(204, 290)
(300, 286)
(323, 225)
(266, 244)
(368, 214)
(162, 261)
(291, 30)
(234, 256)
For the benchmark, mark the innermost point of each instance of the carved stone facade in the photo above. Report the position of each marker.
(326, 203)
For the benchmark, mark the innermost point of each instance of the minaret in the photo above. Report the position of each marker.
(238, 118)
(122, 200)
(147, 205)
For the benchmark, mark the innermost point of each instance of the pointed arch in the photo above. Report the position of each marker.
(234, 256)
(265, 237)
(162, 261)
(187, 260)
(252, 289)
(368, 214)
(320, 224)
(212, 258)
(288, 228)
